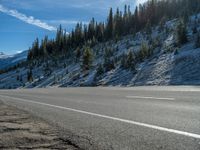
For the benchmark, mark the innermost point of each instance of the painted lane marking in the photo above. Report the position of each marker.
(188, 134)
(157, 98)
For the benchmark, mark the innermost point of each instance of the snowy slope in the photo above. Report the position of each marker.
(11, 60)
(169, 64)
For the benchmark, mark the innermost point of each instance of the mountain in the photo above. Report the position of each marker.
(163, 64)
(1, 53)
(11, 60)
(129, 50)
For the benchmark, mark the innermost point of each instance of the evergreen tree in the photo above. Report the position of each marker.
(30, 54)
(194, 29)
(43, 47)
(17, 78)
(87, 58)
(197, 41)
(123, 60)
(91, 29)
(130, 61)
(47, 69)
(118, 24)
(145, 16)
(148, 27)
(35, 47)
(30, 75)
(109, 63)
(78, 53)
(181, 33)
(100, 70)
(144, 52)
(109, 27)
(136, 19)
(59, 39)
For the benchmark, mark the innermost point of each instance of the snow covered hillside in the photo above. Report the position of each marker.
(168, 64)
(11, 60)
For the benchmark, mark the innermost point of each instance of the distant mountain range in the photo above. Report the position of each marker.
(11, 60)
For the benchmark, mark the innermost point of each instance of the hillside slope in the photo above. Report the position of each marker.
(11, 60)
(168, 64)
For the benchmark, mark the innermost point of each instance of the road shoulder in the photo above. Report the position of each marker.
(21, 130)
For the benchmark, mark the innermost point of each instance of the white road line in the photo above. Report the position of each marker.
(158, 98)
(188, 134)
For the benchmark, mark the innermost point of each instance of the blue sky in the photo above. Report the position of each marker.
(21, 21)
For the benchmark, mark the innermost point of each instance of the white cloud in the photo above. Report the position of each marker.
(140, 2)
(66, 22)
(27, 19)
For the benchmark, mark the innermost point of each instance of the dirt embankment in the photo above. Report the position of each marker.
(20, 130)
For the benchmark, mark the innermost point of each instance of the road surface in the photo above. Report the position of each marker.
(139, 118)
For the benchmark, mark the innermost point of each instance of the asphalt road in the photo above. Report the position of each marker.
(140, 118)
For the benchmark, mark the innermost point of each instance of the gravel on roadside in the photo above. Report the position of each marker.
(21, 130)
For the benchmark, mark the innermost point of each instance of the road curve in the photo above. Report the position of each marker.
(137, 118)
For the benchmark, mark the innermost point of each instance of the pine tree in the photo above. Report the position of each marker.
(91, 29)
(130, 61)
(194, 29)
(59, 38)
(35, 47)
(109, 27)
(136, 19)
(123, 60)
(118, 24)
(148, 27)
(100, 70)
(43, 47)
(144, 52)
(109, 63)
(17, 78)
(106, 64)
(30, 54)
(78, 53)
(47, 69)
(181, 33)
(87, 59)
(30, 75)
(197, 41)
(145, 16)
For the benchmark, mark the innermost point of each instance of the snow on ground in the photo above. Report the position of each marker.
(11, 60)
(169, 65)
